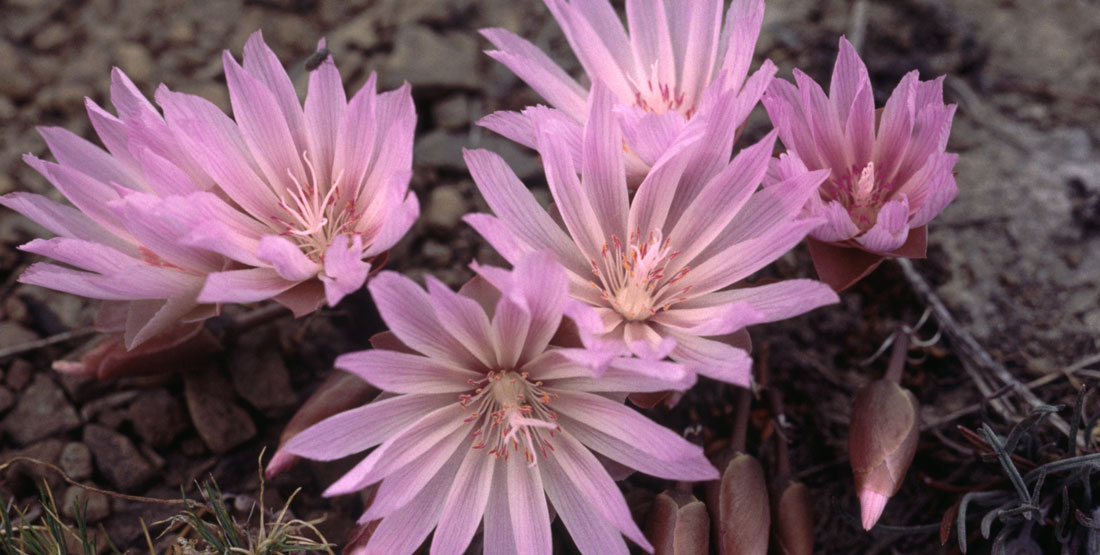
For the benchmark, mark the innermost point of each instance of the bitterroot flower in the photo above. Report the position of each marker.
(889, 173)
(659, 72)
(655, 267)
(313, 194)
(482, 420)
(121, 241)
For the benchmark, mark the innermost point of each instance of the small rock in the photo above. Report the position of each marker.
(76, 461)
(445, 207)
(259, 373)
(180, 32)
(26, 475)
(42, 410)
(358, 32)
(7, 399)
(93, 505)
(436, 253)
(452, 113)
(117, 458)
(428, 59)
(221, 424)
(51, 36)
(158, 417)
(135, 61)
(19, 374)
(13, 334)
(440, 149)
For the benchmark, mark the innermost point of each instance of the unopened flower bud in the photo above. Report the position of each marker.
(678, 524)
(794, 521)
(882, 440)
(740, 508)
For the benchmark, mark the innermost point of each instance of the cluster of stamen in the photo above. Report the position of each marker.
(512, 415)
(632, 278)
(659, 97)
(315, 213)
(860, 192)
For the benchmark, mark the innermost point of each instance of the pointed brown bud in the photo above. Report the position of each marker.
(739, 507)
(678, 524)
(793, 520)
(882, 440)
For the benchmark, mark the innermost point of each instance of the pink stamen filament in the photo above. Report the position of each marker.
(314, 213)
(519, 408)
(632, 277)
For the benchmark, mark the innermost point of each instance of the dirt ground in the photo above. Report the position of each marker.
(1016, 257)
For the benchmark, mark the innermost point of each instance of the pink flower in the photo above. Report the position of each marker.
(311, 195)
(656, 267)
(483, 421)
(889, 174)
(121, 241)
(659, 73)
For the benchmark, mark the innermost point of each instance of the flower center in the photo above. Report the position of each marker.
(512, 413)
(861, 193)
(632, 276)
(315, 213)
(657, 96)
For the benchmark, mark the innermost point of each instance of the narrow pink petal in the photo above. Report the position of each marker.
(164, 315)
(838, 224)
(696, 29)
(87, 255)
(62, 220)
(497, 234)
(402, 216)
(408, 312)
(511, 324)
(112, 132)
(604, 176)
(361, 428)
(464, 319)
(126, 97)
(465, 505)
(599, 59)
(400, 487)
(714, 359)
(783, 102)
(891, 227)
(537, 70)
(738, 40)
(651, 203)
(776, 301)
(81, 155)
(498, 537)
(345, 270)
(263, 65)
(64, 279)
(518, 209)
(356, 136)
(164, 177)
(741, 260)
(941, 190)
(581, 471)
(603, 20)
(860, 126)
(527, 505)
(264, 127)
(243, 286)
(931, 124)
(623, 374)
(324, 111)
(895, 127)
(217, 226)
(89, 195)
(512, 125)
(287, 258)
(405, 529)
(849, 76)
(775, 206)
(395, 117)
(718, 319)
(543, 286)
(398, 372)
(825, 123)
(151, 221)
(649, 134)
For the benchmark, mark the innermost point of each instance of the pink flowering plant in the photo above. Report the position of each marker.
(484, 420)
(660, 73)
(888, 172)
(657, 267)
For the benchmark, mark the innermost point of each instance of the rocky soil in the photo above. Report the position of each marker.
(1016, 257)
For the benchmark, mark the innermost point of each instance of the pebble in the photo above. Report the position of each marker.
(158, 417)
(51, 37)
(13, 335)
(440, 149)
(259, 374)
(452, 113)
(116, 458)
(76, 461)
(134, 59)
(29, 475)
(445, 207)
(93, 505)
(7, 399)
(221, 423)
(19, 374)
(453, 65)
(42, 410)
(358, 32)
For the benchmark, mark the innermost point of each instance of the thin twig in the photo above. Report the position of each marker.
(974, 357)
(857, 25)
(46, 342)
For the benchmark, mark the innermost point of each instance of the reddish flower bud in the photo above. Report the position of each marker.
(882, 440)
(176, 349)
(678, 524)
(739, 508)
(794, 521)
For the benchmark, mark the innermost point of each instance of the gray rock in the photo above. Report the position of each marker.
(358, 32)
(23, 474)
(452, 113)
(440, 149)
(260, 375)
(428, 59)
(13, 334)
(7, 399)
(42, 410)
(221, 424)
(93, 505)
(51, 37)
(19, 374)
(76, 461)
(158, 417)
(445, 207)
(116, 458)
(134, 59)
